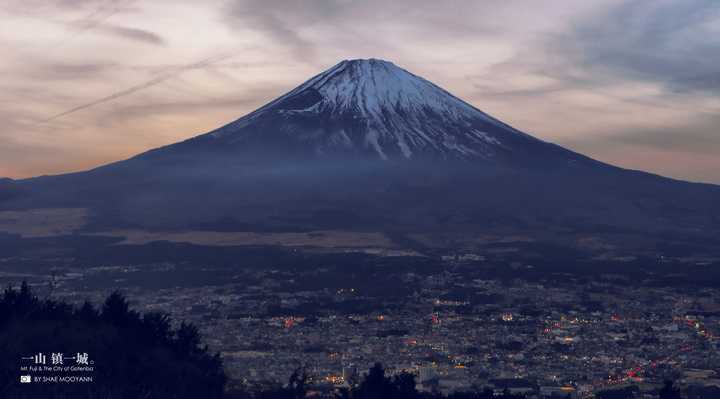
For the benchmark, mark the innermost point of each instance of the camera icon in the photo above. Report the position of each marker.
(25, 379)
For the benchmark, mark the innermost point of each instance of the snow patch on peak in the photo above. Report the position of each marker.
(374, 105)
(373, 86)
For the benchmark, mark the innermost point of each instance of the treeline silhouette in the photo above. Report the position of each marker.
(375, 385)
(668, 391)
(132, 355)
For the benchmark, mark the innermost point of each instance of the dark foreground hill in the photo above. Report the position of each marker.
(125, 354)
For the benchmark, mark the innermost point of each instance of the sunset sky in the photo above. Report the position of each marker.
(635, 83)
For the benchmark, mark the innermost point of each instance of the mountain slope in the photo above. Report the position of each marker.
(372, 109)
(368, 145)
(375, 107)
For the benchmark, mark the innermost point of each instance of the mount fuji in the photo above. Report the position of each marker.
(367, 145)
(372, 109)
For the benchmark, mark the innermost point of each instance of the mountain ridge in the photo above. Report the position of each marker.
(348, 150)
(375, 109)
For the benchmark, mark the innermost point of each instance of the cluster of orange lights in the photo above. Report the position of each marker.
(335, 379)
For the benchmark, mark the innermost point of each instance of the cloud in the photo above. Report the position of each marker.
(280, 21)
(700, 135)
(97, 18)
(675, 43)
(196, 103)
(94, 19)
(629, 77)
(135, 34)
(66, 71)
(142, 86)
(310, 29)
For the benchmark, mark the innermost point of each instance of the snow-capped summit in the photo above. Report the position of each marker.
(371, 87)
(373, 109)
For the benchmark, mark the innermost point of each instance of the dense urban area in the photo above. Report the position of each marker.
(455, 325)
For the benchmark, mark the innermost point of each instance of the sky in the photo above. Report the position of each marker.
(635, 83)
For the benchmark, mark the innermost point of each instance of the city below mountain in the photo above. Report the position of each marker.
(368, 146)
(366, 233)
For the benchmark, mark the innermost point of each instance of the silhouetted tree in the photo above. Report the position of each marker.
(116, 310)
(624, 393)
(669, 391)
(295, 389)
(297, 384)
(703, 392)
(403, 386)
(133, 355)
(375, 385)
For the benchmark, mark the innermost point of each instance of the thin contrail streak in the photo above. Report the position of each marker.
(152, 82)
(95, 19)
